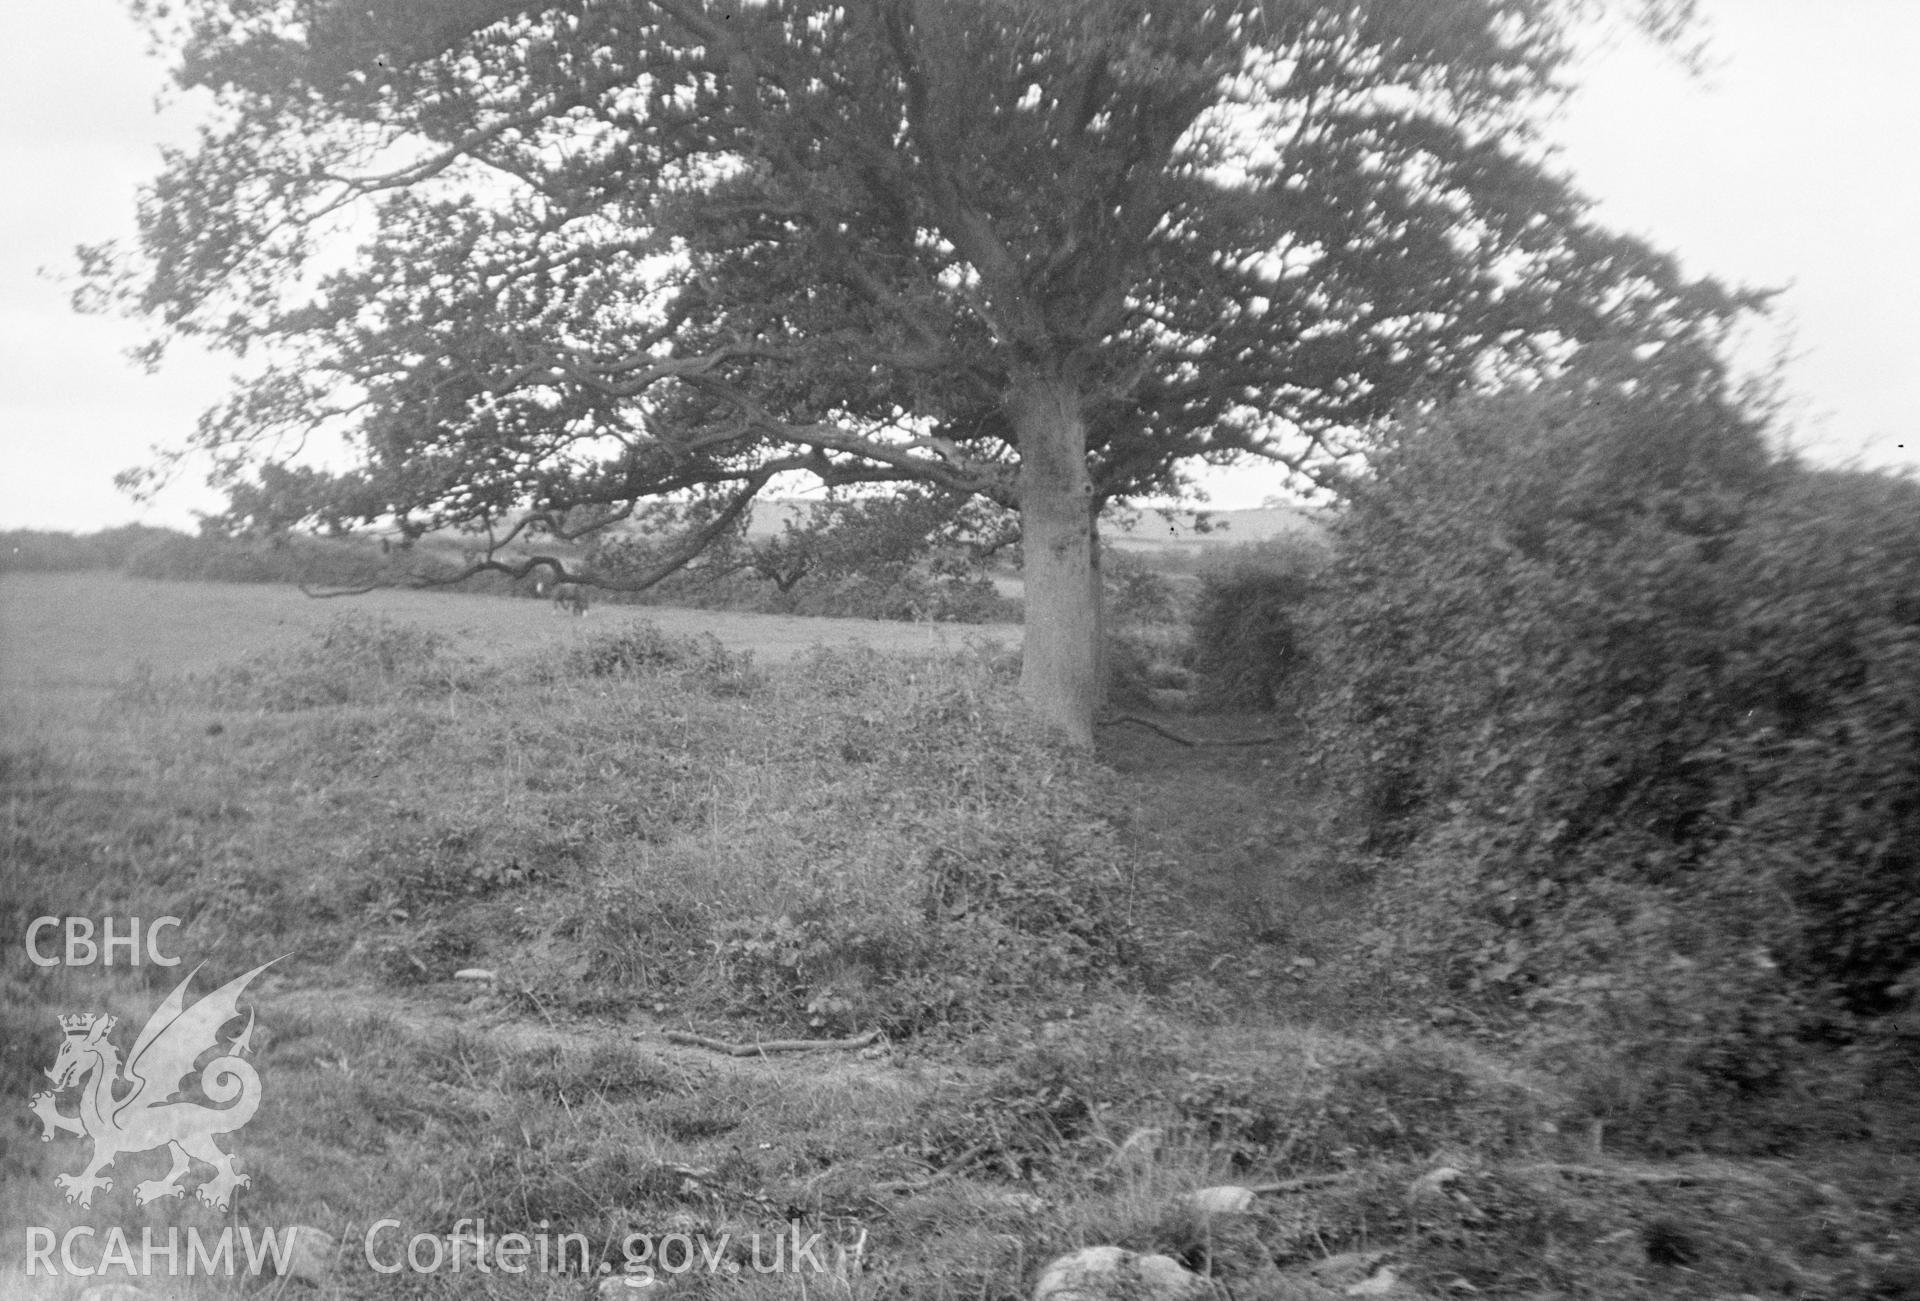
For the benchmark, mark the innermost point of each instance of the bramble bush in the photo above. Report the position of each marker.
(1629, 713)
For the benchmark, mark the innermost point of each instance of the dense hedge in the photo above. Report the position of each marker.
(145, 552)
(315, 562)
(41, 550)
(1631, 714)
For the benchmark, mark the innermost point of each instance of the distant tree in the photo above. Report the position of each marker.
(1041, 252)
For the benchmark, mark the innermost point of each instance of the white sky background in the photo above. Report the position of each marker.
(1794, 163)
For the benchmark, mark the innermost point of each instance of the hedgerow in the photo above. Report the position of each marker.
(1629, 714)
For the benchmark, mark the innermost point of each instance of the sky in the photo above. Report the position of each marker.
(1793, 163)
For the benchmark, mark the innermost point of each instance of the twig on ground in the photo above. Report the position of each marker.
(956, 1166)
(771, 1045)
(319, 595)
(1299, 1185)
(1116, 719)
(1626, 1174)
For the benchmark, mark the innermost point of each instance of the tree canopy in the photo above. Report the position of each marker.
(1049, 253)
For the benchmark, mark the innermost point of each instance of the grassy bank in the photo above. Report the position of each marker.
(1098, 984)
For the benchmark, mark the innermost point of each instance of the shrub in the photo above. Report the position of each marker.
(1249, 650)
(1631, 713)
(1819, 781)
(353, 660)
(640, 647)
(1136, 592)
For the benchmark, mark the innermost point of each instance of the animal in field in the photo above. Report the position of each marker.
(568, 598)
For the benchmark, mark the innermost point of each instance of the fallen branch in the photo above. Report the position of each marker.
(318, 595)
(948, 1171)
(771, 1045)
(1625, 1174)
(1301, 1184)
(1172, 735)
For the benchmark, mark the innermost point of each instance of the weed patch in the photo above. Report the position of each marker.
(355, 660)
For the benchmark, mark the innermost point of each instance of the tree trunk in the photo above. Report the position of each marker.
(1060, 669)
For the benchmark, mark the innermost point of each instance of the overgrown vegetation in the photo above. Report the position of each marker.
(1624, 711)
(684, 806)
(651, 831)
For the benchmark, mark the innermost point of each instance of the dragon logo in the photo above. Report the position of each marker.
(148, 1115)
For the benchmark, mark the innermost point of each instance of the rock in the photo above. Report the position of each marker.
(1354, 1274)
(1382, 1282)
(1110, 1273)
(1220, 1200)
(1347, 1268)
(474, 973)
(313, 1256)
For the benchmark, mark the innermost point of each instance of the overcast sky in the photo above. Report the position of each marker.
(1794, 163)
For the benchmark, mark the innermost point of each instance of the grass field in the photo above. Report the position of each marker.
(73, 635)
(1092, 986)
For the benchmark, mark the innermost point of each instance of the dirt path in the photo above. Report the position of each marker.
(1234, 820)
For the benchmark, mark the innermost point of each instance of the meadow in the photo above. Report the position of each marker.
(1064, 991)
(78, 633)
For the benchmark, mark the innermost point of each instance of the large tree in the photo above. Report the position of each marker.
(1045, 252)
